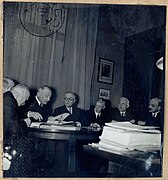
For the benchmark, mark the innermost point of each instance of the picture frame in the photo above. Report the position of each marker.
(104, 93)
(105, 71)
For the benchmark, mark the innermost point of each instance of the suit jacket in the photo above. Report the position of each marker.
(101, 120)
(11, 122)
(117, 116)
(15, 137)
(77, 114)
(33, 105)
(153, 121)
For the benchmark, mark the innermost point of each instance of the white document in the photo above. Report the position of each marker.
(132, 127)
(60, 117)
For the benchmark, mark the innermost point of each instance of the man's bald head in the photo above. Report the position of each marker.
(44, 94)
(21, 94)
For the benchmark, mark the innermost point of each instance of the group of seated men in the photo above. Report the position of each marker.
(17, 120)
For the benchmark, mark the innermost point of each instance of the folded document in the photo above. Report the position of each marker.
(70, 126)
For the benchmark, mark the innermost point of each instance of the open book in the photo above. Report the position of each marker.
(59, 117)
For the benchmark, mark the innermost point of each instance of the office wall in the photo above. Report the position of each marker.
(116, 24)
(109, 46)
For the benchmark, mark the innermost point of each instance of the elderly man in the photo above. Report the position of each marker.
(97, 117)
(74, 113)
(15, 132)
(37, 109)
(153, 116)
(122, 112)
(17, 97)
(8, 84)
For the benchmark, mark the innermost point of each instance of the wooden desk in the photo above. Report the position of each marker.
(131, 162)
(71, 136)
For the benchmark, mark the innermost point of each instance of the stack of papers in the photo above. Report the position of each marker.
(124, 137)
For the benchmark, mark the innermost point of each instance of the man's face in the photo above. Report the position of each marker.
(69, 99)
(153, 106)
(44, 95)
(23, 98)
(98, 107)
(122, 106)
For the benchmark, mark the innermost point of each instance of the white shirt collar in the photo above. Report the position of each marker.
(123, 113)
(97, 113)
(69, 109)
(38, 101)
(155, 114)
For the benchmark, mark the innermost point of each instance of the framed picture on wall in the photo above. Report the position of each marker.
(105, 71)
(104, 93)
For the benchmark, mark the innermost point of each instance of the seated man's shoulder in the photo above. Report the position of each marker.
(88, 112)
(60, 108)
(114, 109)
(78, 109)
(130, 110)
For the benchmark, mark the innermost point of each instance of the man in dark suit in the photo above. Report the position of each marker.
(97, 116)
(15, 132)
(37, 109)
(123, 112)
(70, 113)
(12, 100)
(75, 114)
(153, 116)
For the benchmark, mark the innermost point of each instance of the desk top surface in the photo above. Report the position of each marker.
(83, 130)
(83, 134)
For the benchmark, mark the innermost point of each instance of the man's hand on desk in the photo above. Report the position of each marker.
(141, 123)
(78, 125)
(35, 115)
(51, 118)
(27, 121)
(132, 121)
(95, 126)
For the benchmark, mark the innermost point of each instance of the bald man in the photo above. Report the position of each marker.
(37, 109)
(12, 100)
(123, 111)
(15, 132)
(153, 116)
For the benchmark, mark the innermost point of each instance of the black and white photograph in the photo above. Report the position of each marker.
(83, 90)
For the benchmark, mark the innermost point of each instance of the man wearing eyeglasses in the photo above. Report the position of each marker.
(75, 114)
